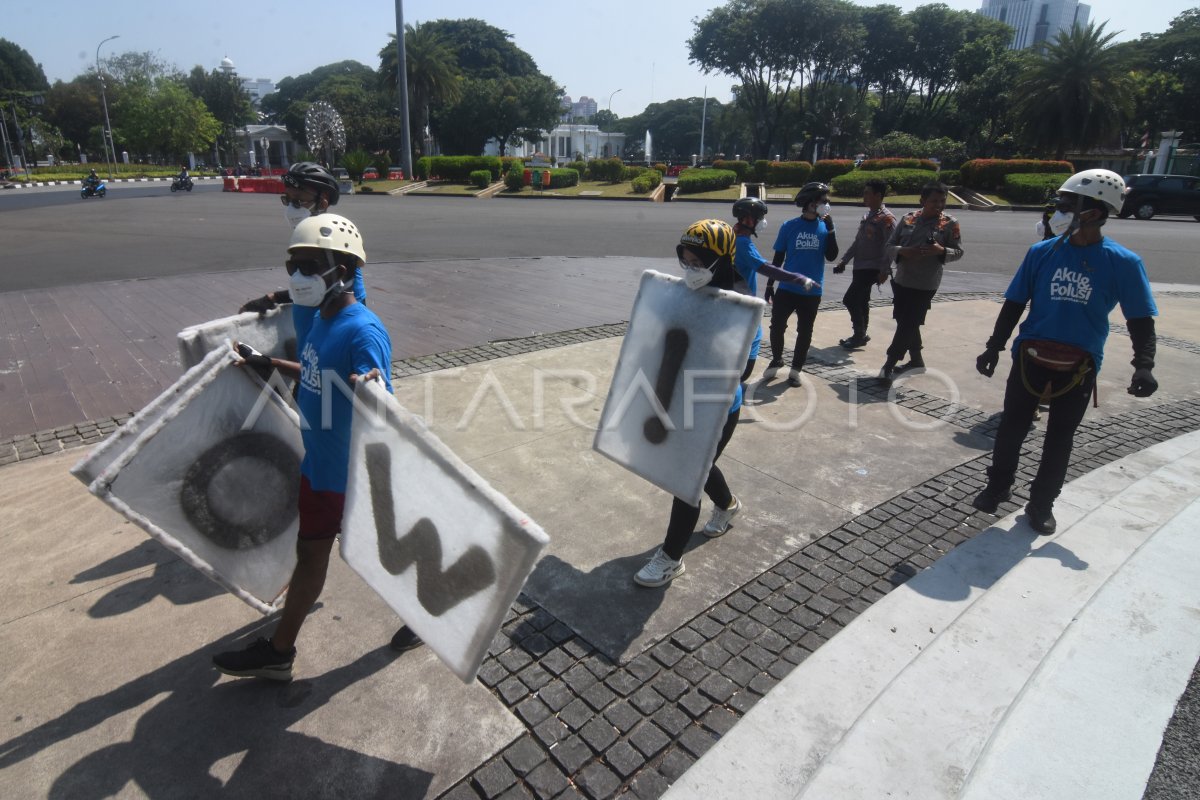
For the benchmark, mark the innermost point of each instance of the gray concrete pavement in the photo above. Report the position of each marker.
(595, 687)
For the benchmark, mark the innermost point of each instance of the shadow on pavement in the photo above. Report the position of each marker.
(604, 606)
(202, 730)
(1000, 550)
(171, 579)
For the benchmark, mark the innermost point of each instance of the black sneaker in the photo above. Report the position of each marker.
(852, 342)
(1041, 519)
(404, 640)
(887, 374)
(912, 365)
(989, 500)
(259, 660)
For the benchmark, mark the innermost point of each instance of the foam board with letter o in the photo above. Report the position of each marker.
(211, 469)
(443, 548)
(675, 380)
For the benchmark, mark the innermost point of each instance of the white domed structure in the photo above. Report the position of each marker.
(227, 64)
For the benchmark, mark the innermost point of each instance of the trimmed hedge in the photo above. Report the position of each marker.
(787, 173)
(988, 173)
(480, 178)
(950, 177)
(761, 168)
(828, 169)
(740, 168)
(693, 181)
(578, 166)
(898, 163)
(648, 181)
(421, 170)
(899, 181)
(561, 178)
(506, 163)
(662, 169)
(459, 168)
(1032, 188)
(610, 170)
(514, 179)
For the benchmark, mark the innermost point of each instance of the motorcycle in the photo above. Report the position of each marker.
(93, 190)
(181, 183)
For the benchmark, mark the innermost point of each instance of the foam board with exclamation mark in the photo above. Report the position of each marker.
(675, 380)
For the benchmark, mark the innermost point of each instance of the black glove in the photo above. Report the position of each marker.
(828, 223)
(769, 294)
(265, 303)
(839, 269)
(987, 361)
(255, 360)
(1143, 384)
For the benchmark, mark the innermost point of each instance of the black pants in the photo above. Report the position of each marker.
(805, 308)
(909, 307)
(684, 516)
(857, 299)
(1066, 412)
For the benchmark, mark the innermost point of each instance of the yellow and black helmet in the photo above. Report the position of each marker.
(709, 236)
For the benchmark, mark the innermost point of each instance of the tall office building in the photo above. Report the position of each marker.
(1037, 21)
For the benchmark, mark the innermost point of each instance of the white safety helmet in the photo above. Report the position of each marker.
(1099, 184)
(329, 232)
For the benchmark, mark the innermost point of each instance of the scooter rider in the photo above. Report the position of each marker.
(1070, 283)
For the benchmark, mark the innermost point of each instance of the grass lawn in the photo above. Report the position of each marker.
(447, 189)
(582, 189)
(369, 187)
(732, 193)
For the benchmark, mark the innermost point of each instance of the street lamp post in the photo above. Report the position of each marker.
(610, 97)
(107, 135)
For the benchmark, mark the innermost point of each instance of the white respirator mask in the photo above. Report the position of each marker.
(1059, 222)
(295, 214)
(310, 290)
(697, 277)
(761, 225)
(823, 210)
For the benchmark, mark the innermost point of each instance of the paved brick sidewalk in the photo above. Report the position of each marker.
(599, 729)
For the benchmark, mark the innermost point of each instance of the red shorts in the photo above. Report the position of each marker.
(320, 512)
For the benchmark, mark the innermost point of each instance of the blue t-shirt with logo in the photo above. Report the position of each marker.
(353, 341)
(1072, 290)
(802, 241)
(746, 259)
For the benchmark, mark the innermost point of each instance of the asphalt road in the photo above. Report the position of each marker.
(53, 238)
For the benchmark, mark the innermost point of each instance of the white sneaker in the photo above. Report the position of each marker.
(718, 524)
(659, 571)
(794, 377)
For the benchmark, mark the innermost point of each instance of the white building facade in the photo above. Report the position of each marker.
(566, 142)
(1037, 21)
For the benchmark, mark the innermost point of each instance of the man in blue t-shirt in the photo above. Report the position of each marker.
(750, 214)
(343, 343)
(1071, 284)
(803, 245)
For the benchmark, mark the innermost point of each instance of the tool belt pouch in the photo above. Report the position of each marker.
(1055, 356)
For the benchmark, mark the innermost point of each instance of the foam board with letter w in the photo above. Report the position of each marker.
(675, 380)
(443, 548)
(211, 469)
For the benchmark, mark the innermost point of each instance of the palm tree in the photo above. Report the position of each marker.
(1076, 94)
(433, 74)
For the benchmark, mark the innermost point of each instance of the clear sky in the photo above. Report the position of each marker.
(636, 48)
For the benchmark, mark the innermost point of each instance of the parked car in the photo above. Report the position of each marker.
(370, 174)
(1147, 195)
(395, 173)
(341, 174)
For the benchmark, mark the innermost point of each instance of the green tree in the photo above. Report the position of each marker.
(165, 120)
(74, 109)
(675, 128)
(228, 101)
(983, 105)
(18, 71)
(755, 42)
(882, 61)
(482, 50)
(433, 76)
(1076, 95)
(508, 110)
(605, 120)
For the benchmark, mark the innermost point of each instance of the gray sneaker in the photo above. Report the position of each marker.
(659, 571)
(718, 523)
